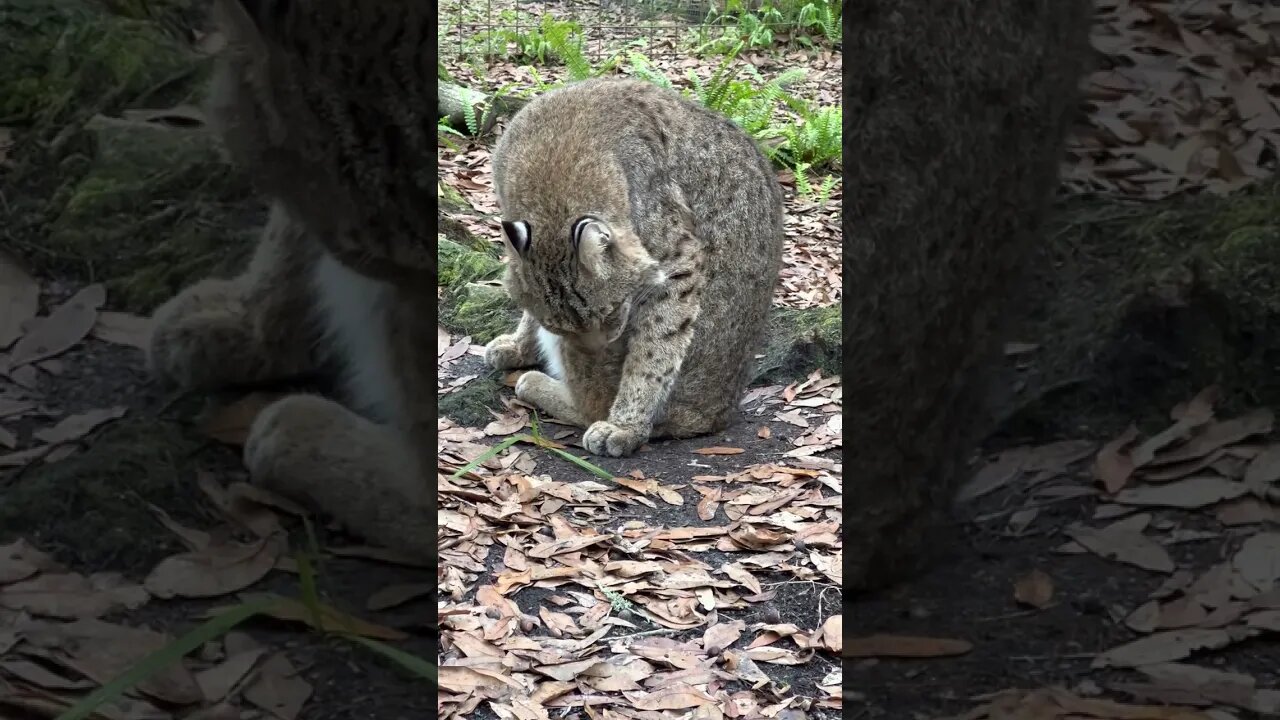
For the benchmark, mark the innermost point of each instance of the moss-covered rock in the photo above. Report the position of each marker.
(158, 208)
(143, 207)
(1135, 307)
(799, 342)
(61, 61)
(92, 508)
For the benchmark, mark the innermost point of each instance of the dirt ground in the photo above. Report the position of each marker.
(89, 511)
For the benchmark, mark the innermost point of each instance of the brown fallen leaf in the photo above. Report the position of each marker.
(1219, 434)
(1264, 469)
(278, 688)
(1059, 704)
(719, 451)
(102, 651)
(19, 560)
(1192, 492)
(1247, 511)
(126, 329)
(75, 427)
(332, 619)
(396, 595)
(1034, 589)
(1258, 561)
(218, 569)
(1113, 466)
(217, 682)
(61, 330)
(1124, 542)
(72, 595)
(19, 300)
(230, 423)
(1164, 647)
(904, 646)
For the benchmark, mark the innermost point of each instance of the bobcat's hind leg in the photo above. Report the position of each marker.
(252, 328)
(682, 420)
(365, 475)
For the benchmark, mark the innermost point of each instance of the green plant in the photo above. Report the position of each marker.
(814, 139)
(816, 196)
(798, 21)
(751, 102)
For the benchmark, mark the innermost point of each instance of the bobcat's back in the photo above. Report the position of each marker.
(326, 103)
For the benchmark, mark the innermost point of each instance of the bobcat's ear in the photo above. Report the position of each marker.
(518, 235)
(591, 240)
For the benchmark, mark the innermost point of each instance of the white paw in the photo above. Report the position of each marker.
(605, 438)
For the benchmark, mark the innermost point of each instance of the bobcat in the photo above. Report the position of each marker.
(644, 236)
(325, 103)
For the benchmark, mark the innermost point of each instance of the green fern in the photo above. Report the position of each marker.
(816, 196)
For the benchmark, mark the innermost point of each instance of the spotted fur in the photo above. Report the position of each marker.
(644, 235)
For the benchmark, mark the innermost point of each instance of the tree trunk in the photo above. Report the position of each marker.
(455, 101)
(957, 113)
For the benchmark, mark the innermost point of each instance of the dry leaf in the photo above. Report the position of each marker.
(719, 451)
(1124, 542)
(1034, 589)
(61, 330)
(123, 329)
(904, 646)
(75, 427)
(278, 688)
(218, 569)
(1113, 465)
(230, 423)
(1164, 647)
(19, 300)
(1193, 492)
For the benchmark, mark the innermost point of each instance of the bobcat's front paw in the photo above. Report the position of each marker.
(504, 353)
(605, 438)
(198, 336)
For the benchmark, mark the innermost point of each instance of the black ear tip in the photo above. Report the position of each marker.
(518, 234)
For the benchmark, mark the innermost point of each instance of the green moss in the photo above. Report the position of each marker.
(92, 507)
(473, 302)
(63, 60)
(469, 405)
(481, 311)
(158, 208)
(799, 342)
(459, 265)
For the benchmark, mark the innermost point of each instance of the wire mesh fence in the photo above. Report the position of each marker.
(601, 28)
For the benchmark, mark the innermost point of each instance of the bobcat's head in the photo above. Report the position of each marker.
(579, 275)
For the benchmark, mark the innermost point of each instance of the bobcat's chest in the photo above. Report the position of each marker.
(355, 311)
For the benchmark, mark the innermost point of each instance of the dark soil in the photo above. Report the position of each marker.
(969, 595)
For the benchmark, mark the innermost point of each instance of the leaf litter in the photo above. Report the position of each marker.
(1203, 479)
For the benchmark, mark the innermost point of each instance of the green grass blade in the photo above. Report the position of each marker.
(486, 455)
(408, 661)
(166, 656)
(580, 462)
